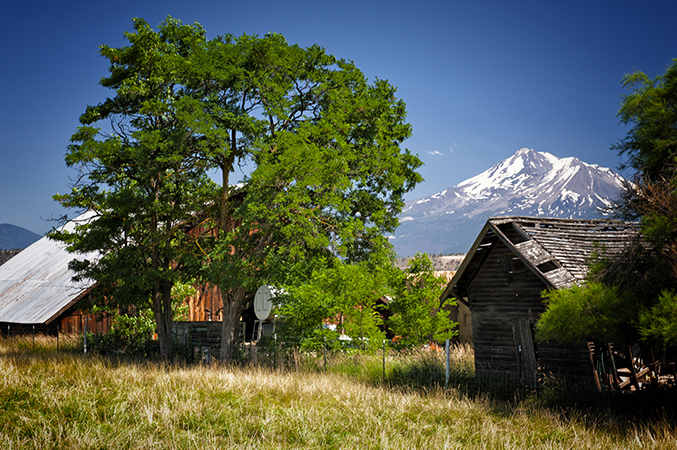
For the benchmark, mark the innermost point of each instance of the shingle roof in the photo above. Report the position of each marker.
(36, 285)
(557, 250)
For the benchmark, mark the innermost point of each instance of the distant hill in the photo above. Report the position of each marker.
(529, 183)
(442, 263)
(12, 237)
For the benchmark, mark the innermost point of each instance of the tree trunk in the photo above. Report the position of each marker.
(162, 310)
(233, 302)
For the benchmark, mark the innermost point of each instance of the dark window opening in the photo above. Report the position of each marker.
(547, 266)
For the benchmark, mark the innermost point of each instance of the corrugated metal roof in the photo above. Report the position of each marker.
(36, 285)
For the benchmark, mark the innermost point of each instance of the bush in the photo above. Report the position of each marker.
(659, 323)
(594, 312)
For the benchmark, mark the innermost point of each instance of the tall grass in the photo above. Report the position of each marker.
(67, 400)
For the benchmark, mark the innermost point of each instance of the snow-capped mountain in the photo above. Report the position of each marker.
(529, 183)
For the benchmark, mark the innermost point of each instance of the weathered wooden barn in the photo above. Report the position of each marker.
(512, 261)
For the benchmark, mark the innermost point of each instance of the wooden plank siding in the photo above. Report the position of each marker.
(74, 323)
(503, 291)
(205, 306)
(69, 323)
(513, 260)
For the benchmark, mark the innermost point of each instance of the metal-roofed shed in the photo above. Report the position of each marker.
(36, 285)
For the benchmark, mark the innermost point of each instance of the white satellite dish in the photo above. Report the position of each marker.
(263, 304)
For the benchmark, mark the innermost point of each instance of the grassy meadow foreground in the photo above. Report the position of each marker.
(72, 401)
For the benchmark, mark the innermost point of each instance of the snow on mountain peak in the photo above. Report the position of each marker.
(510, 174)
(529, 182)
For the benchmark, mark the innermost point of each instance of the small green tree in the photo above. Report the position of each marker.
(658, 323)
(344, 295)
(593, 312)
(417, 315)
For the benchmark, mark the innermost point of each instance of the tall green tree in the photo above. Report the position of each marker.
(142, 173)
(632, 294)
(326, 171)
(650, 111)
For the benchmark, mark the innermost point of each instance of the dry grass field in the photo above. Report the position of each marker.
(67, 400)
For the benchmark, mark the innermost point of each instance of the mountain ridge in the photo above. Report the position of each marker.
(528, 183)
(13, 237)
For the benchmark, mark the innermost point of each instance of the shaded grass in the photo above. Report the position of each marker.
(68, 400)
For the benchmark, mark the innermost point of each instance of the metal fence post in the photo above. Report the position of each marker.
(446, 379)
(33, 337)
(384, 360)
(325, 354)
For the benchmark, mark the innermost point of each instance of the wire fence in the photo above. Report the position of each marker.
(430, 367)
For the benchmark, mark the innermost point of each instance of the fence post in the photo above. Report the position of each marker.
(384, 360)
(244, 340)
(57, 337)
(84, 326)
(325, 354)
(33, 337)
(446, 379)
(275, 352)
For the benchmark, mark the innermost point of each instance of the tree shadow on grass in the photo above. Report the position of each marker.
(615, 411)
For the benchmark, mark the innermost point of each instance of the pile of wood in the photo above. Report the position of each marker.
(629, 369)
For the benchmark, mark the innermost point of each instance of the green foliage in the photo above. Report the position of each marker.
(417, 316)
(328, 171)
(327, 179)
(650, 111)
(142, 175)
(346, 295)
(646, 272)
(132, 325)
(629, 294)
(658, 322)
(180, 295)
(130, 331)
(320, 339)
(594, 312)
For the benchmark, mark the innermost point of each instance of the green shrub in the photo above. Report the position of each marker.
(588, 313)
(659, 323)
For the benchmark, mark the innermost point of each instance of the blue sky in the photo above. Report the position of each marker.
(480, 79)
